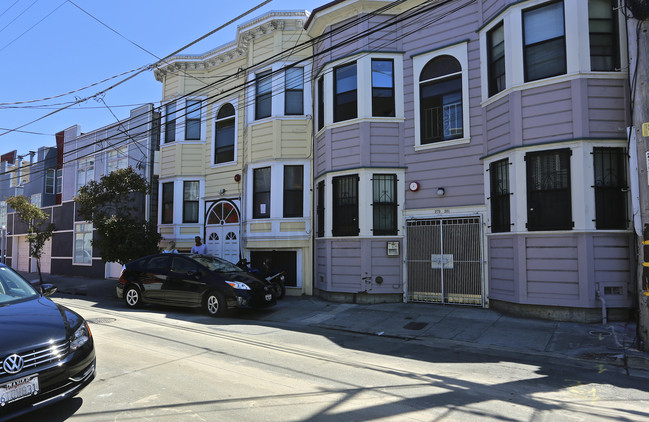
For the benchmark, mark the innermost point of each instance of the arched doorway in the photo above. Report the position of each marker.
(222, 231)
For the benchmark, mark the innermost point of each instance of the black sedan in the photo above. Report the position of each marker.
(196, 281)
(46, 350)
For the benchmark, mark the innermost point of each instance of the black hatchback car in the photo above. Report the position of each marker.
(46, 350)
(196, 281)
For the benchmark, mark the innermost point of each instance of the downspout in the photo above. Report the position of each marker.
(599, 296)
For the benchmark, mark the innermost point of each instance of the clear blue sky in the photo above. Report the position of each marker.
(51, 47)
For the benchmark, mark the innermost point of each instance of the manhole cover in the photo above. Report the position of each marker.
(415, 325)
(101, 320)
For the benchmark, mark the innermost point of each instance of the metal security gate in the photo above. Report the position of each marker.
(445, 260)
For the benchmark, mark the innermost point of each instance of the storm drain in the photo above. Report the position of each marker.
(415, 326)
(101, 320)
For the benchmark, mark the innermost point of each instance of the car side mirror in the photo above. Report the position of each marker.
(194, 274)
(48, 289)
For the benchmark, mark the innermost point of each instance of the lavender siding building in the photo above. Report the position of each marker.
(472, 153)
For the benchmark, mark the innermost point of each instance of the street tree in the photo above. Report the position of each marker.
(110, 204)
(39, 226)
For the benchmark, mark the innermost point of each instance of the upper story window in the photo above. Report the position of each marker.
(85, 171)
(440, 94)
(345, 93)
(117, 159)
(383, 88)
(544, 42)
(193, 120)
(261, 193)
(294, 91)
(170, 122)
(610, 188)
(190, 201)
(320, 209)
(345, 206)
(549, 200)
(263, 94)
(293, 191)
(384, 204)
(225, 134)
(499, 196)
(320, 104)
(53, 179)
(603, 35)
(3, 213)
(167, 215)
(496, 59)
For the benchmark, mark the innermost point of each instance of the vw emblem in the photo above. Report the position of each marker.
(13, 364)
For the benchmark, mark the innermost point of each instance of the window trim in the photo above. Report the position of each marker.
(460, 53)
(217, 107)
(191, 201)
(120, 156)
(74, 255)
(256, 193)
(259, 78)
(608, 192)
(391, 88)
(335, 103)
(492, 78)
(526, 46)
(298, 202)
(500, 202)
(189, 109)
(288, 90)
(170, 122)
(351, 226)
(164, 199)
(50, 181)
(615, 35)
(83, 166)
(391, 206)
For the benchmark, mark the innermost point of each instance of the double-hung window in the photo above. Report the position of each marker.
(85, 171)
(383, 88)
(225, 134)
(548, 190)
(167, 203)
(170, 122)
(345, 93)
(499, 196)
(603, 34)
(384, 204)
(293, 191)
(320, 209)
(50, 181)
(544, 42)
(261, 193)
(345, 206)
(263, 94)
(193, 120)
(83, 243)
(294, 91)
(190, 201)
(117, 159)
(440, 100)
(496, 59)
(610, 188)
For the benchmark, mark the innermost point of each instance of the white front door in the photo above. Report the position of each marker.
(222, 231)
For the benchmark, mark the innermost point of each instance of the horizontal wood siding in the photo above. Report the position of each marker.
(295, 138)
(385, 145)
(491, 7)
(345, 148)
(498, 130)
(385, 39)
(552, 269)
(606, 108)
(547, 113)
(613, 265)
(322, 264)
(192, 159)
(263, 48)
(322, 154)
(389, 268)
(345, 265)
(262, 136)
(501, 268)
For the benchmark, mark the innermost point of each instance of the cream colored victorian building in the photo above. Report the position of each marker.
(236, 149)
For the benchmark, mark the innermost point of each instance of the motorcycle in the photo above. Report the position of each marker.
(274, 277)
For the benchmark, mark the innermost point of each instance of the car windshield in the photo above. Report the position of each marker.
(216, 264)
(14, 288)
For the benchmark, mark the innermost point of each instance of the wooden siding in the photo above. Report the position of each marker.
(501, 267)
(263, 48)
(607, 108)
(385, 145)
(295, 138)
(390, 268)
(547, 113)
(262, 136)
(345, 265)
(614, 266)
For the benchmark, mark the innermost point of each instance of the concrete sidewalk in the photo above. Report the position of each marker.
(612, 343)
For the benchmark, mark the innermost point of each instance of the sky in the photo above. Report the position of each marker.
(53, 47)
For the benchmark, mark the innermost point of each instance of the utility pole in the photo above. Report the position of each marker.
(637, 13)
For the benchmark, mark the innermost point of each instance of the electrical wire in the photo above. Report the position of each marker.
(32, 27)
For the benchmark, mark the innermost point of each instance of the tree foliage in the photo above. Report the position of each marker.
(39, 228)
(122, 233)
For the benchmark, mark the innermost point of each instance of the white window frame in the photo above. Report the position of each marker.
(460, 53)
(164, 120)
(184, 114)
(215, 110)
(84, 166)
(178, 200)
(363, 89)
(50, 175)
(117, 158)
(84, 233)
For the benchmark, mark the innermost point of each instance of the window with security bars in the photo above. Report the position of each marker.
(610, 188)
(384, 204)
(345, 206)
(548, 190)
(320, 209)
(499, 196)
(603, 34)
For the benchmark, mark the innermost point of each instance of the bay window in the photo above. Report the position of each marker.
(544, 42)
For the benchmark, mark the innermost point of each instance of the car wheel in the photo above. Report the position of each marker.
(278, 289)
(214, 304)
(133, 297)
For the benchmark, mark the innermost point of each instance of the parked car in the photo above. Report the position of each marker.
(46, 350)
(196, 281)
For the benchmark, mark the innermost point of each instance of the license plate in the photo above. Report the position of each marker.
(18, 389)
(269, 297)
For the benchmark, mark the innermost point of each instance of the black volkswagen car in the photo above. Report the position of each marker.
(195, 281)
(46, 350)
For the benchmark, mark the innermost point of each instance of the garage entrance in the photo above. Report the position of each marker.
(444, 260)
